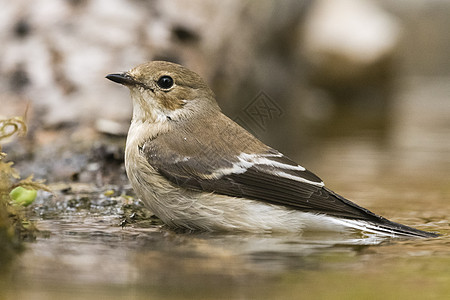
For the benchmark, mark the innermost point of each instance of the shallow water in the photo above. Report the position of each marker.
(87, 255)
(82, 252)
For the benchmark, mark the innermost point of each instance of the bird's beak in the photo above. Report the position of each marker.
(122, 78)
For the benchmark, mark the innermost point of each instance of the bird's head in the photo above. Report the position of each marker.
(165, 91)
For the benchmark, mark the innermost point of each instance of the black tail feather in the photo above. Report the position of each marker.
(379, 224)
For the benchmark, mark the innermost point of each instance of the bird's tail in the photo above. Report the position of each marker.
(370, 222)
(387, 228)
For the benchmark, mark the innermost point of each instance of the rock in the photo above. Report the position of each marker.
(342, 39)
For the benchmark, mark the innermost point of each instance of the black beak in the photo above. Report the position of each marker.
(122, 78)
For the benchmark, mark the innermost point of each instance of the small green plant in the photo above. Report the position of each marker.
(15, 193)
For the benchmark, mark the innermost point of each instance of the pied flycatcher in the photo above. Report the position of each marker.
(196, 169)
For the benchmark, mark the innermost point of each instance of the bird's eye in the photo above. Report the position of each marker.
(165, 82)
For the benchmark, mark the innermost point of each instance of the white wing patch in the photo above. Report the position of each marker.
(297, 178)
(246, 161)
(263, 160)
(237, 168)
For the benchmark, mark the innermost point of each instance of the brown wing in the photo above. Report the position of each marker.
(264, 175)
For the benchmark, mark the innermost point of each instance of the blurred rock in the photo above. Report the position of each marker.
(344, 39)
(112, 127)
(349, 47)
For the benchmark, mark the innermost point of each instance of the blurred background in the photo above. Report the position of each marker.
(371, 74)
(358, 91)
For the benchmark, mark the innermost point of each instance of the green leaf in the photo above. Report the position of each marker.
(22, 196)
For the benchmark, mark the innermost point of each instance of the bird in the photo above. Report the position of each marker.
(198, 170)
